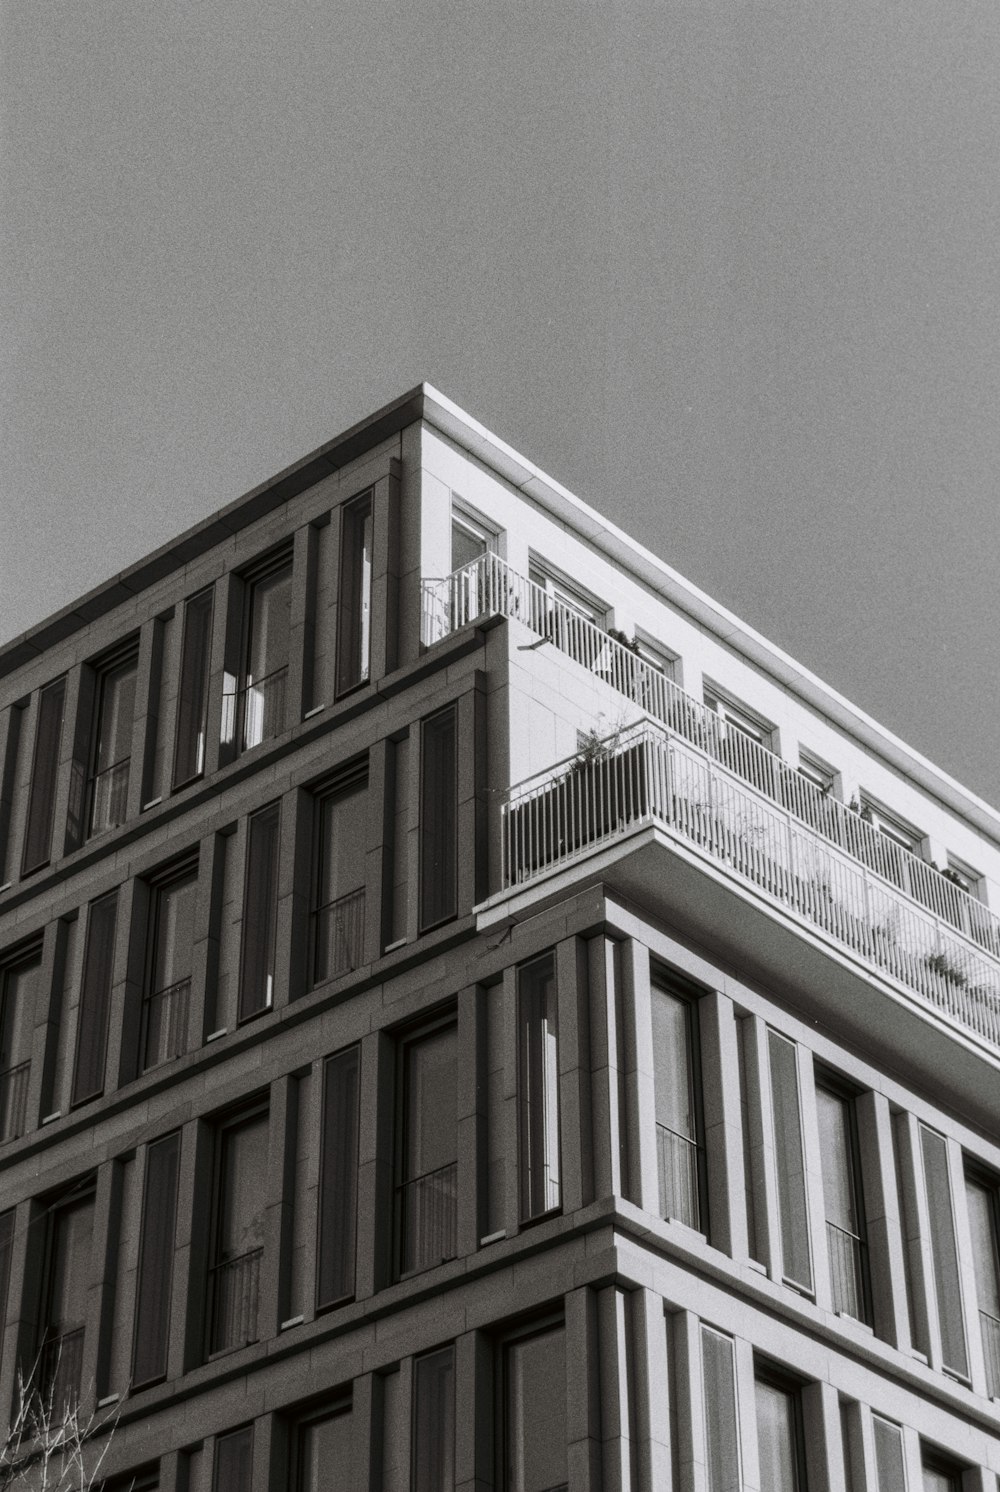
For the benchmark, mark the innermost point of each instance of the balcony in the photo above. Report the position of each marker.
(648, 776)
(489, 587)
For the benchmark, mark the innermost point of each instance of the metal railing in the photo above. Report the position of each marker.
(648, 775)
(428, 1219)
(338, 936)
(60, 1369)
(991, 1352)
(166, 1023)
(677, 1163)
(489, 587)
(846, 1256)
(13, 1100)
(235, 1299)
(109, 796)
(256, 711)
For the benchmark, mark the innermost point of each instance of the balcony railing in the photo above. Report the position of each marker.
(648, 775)
(677, 1162)
(339, 936)
(13, 1101)
(166, 1023)
(235, 1299)
(489, 587)
(846, 1272)
(109, 796)
(256, 711)
(428, 1219)
(60, 1370)
(991, 1352)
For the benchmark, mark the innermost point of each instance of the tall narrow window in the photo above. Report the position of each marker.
(339, 896)
(95, 1000)
(338, 1179)
(438, 819)
(326, 1452)
(534, 1430)
(19, 981)
(6, 1251)
(845, 1225)
(940, 1475)
(433, 1464)
(779, 1436)
(165, 1014)
(156, 1257)
(722, 1439)
(192, 694)
(234, 1461)
(981, 1199)
(234, 1293)
(944, 1251)
(787, 1131)
(889, 1464)
(677, 1126)
(67, 1291)
(260, 913)
(355, 607)
(538, 1087)
(427, 1192)
(112, 757)
(44, 769)
(265, 669)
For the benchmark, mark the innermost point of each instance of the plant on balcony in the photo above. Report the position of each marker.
(624, 639)
(940, 963)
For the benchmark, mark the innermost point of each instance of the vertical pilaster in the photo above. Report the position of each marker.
(763, 1167)
(280, 1184)
(574, 1074)
(610, 1156)
(813, 1164)
(721, 1083)
(511, 1124)
(45, 1020)
(887, 1261)
(966, 1269)
(470, 1176)
(300, 627)
(11, 723)
(746, 1399)
(583, 1423)
(291, 952)
(917, 1238)
(147, 688)
(122, 1062)
(640, 1113)
(653, 1458)
(374, 1243)
(689, 1404)
(474, 1413)
(188, 1327)
(378, 849)
(824, 1438)
(618, 1450)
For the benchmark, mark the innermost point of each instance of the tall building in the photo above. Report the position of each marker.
(475, 1015)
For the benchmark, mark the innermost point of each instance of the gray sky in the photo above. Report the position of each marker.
(727, 270)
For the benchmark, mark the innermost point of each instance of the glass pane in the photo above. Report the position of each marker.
(270, 625)
(344, 838)
(338, 1178)
(95, 998)
(466, 544)
(787, 1122)
(673, 1077)
(42, 796)
(936, 1480)
(260, 914)
(114, 737)
(536, 1413)
(431, 1121)
(156, 1255)
(944, 1250)
(354, 640)
(244, 1165)
(438, 819)
(234, 1461)
(889, 1456)
(326, 1454)
(174, 932)
(69, 1283)
(776, 1438)
(538, 1088)
(434, 1422)
(192, 699)
(834, 1118)
(982, 1225)
(722, 1453)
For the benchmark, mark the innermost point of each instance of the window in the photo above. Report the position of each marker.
(534, 1413)
(438, 819)
(192, 695)
(944, 1251)
(964, 877)
(817, 772)
(355, 608)
(6, 1251)
(338, 1179)
(889, 1463)
(112, 753)
(338, 920)
(19, 983)
(325, 1452)
(743, 740)
(470, 538)
(95, 1000)
(168, 980)
(722, 1440)
(845, 1222)
(433, 1460)
(234, 1461)
(739, 718)
(260, 913)
(234, 1279)
(67, 1292)
(556, 594)
(780, 1445)
(678, 1149)
(253, 704)
(981, 1200)
(44, 770)
(427, 1187)
(896, 830)
(156, 1258)
(538, 1087)
(940, 1475)
(786, 1118)
(570, 619)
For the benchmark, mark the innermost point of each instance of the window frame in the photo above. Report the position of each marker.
(82, 1194)
(338, 1406)
(445, 1021)
(47, 779)
(426, 844)
(244, 1011)
(204, 683)
(771, 1375)
(827, 1080)
(524, 1331)
(322, 1303)
(265, 569)
(224, 1126)
(351, 779)
(121, 661)
(29, 953)
(976, 1174)
(180, 872)
(733, 714)
(355, 672)
(527, 1218)
(689, 995)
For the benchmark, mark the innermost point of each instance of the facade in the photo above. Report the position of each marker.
(477, 1016)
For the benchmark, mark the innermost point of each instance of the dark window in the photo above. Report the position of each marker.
(192, 695)
(260, 913)
(338, 1180)
(678, 1124)
(234, 1292)
(95, 1000)
(538, 1087)
(427, 1190)
(44, 769)
(889, 1462)
(112, 756)
(780, 1443)
(6, 1252)
(156, 1258)
(981, 1200)
(355, 606)
(786, 1117)
(944, 1251)
(234, 1461)
(326, 1455)
(19, 983)
(534, 1413)
(168, 992)
(67, 1291)
(433, 1464)
(722, 1441)
(339, 887)
(940, 1475)
(846, 1238)
(438, 819)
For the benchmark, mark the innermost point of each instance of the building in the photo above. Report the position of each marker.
(477, 1016)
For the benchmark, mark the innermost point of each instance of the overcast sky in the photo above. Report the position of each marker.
(727, 270)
